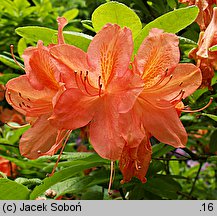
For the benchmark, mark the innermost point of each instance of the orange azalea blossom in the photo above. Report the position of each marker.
(157, 108)
(101, 87)
(33, 95)
(205, 11)
(207, 60)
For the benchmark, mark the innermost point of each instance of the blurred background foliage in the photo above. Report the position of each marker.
(189, 173)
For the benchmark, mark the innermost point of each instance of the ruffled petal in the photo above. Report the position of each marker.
(157, 56)
(135, 161)
(27, 100)
(185, 77)
(131, 128)
(73, 109)
(40, 68)
(161, 119)
(39, 139)
(75, 59)
(110, 51)
(126, 90)
(105, 134)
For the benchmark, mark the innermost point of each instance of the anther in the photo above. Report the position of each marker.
(198, 110)
(20, 105)
(39, 152)
(19, 94)
(12, 54)
(180, 84)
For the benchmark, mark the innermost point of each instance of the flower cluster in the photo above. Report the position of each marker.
(207, 20)
(123, 102)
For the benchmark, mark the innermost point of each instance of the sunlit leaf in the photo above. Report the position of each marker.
(169, 22)
(114, 12)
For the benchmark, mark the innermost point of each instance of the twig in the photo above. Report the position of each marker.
(195, 179)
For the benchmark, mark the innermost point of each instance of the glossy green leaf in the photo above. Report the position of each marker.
(163, 186)
(36, 33)
(9, 62)
(169, 22)
(49, 36)
(11, 190)
(21, 46)
(114, 12)
(62, 175)
(160, 149)
(213, 117)
(213, 48)
(4, 78)
(77, 39)
(71, 14)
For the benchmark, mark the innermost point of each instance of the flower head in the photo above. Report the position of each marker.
(33, 95)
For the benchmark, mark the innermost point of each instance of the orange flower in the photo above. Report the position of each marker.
(205, 11)
(104, 88)
(207, 60)
(33, 94)
(156, 110)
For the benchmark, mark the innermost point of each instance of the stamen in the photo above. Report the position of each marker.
(61, 151)
(181, 93)
(76, 79)
(81, 77)
(180, 84)
(111, 177)
(201, 109)
(12, 54)
(17, 126)
(85, 86)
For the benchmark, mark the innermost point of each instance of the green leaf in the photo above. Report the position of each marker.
(72, 185)
(62, 175)
(71, 14)
(160, 149)
(114, 12)
(21, 46)
(213, 117)
(174, 166)
(169, 22)
(49, 36)
(9, 62)
(11, 190)
(213, 142)
(4, 78)
(213, 48)
(77, 39)
(36, 33)
(163, 186)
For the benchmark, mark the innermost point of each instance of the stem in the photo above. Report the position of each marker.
(195, 180)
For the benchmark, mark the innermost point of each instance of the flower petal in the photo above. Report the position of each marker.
(105, 134)
(27, 100)
(185, 77)
(157, 56)
(74, 58)
(73, 109)
(160, 119)
(110, 52)
(135, 161)
(39, 139)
